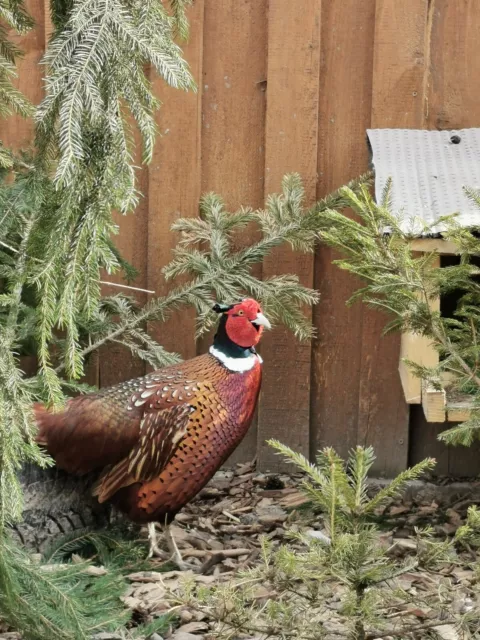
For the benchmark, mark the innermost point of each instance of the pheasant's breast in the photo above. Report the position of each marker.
(222, 414)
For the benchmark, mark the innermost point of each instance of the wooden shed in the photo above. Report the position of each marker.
(429, 172)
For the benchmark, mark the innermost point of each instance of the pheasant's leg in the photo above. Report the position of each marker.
(176, 556)
(152, 536)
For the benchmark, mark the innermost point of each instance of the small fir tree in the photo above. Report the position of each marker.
(285, 595)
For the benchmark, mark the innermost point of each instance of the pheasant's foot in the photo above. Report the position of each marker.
(176, 556)
(185, 566)
(154, 548)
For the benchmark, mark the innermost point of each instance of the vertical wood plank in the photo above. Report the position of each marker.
(115, 362)
(458, 462)
(452, 103)
(452, 95)
(291, 145)
(399, 80)
(383, 412)
(401, 63)
(17, 132)
(424, 441)
(344, 115)
(233, 119)
(233, 109)
(463, 462)
(174, 183)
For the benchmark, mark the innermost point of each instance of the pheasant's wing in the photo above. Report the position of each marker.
(160, 433)
(166, 402)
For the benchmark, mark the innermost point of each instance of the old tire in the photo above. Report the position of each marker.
(56, 504)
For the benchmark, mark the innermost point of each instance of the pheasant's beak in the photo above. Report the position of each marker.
(262, 321)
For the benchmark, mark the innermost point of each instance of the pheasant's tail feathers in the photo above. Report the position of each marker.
(45, 422)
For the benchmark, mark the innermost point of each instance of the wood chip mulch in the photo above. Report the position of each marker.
(220, 531)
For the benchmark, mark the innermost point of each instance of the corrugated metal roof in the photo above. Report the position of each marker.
(429, 170)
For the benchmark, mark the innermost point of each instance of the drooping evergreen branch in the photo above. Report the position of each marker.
(55, 236)
(96, 86)
(58, 602)
(16, 424)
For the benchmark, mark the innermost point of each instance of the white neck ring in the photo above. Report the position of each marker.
(239, 365)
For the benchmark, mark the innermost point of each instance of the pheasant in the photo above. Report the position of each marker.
(157, 440)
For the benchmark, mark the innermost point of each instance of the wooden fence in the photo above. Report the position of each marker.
(292, 86)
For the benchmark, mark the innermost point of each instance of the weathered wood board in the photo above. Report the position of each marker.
(291, 145)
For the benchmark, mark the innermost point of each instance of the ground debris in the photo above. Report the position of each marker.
(184, 635)
(447, 632)
(221, 532)
(222, 528)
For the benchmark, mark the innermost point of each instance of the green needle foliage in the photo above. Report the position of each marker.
(97, 89)
(56, 207)
(59, 602)
(403, 284)
(213, 268)
(285, 596)
(56, 237)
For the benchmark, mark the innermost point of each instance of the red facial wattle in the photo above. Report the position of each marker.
(241, 331)
(242, 326)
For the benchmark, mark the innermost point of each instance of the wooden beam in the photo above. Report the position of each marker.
(441, 246)
(458, 411)
(433, 403)
(419, 349)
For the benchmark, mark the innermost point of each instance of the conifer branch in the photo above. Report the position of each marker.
(378, 250)
(55, 236)
(219, 272)
(14, 15)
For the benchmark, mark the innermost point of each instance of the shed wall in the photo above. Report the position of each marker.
(283, 89)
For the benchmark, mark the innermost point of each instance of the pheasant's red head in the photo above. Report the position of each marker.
(245, 322)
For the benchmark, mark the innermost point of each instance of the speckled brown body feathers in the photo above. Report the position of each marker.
(157, 439)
